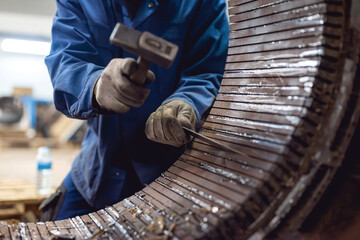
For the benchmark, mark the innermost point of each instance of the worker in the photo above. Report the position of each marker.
(134, 131)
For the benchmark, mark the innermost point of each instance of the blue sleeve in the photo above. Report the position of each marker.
(74, 63)
(203, 59)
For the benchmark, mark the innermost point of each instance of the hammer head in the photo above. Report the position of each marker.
(144, 44)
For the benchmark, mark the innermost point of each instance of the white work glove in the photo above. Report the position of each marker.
(165, 124)
(114, 91)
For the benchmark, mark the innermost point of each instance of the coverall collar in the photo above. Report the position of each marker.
(146, 9)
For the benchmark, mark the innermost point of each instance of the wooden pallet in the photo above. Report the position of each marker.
(17, 197)
(25, 142)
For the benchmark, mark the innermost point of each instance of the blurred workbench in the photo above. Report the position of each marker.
(18, 175)
(17, 197)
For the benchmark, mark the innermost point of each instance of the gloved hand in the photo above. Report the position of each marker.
(164, 125)
(114, 91)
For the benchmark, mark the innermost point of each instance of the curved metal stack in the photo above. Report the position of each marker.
(288, 100)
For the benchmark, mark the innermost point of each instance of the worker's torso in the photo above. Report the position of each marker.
(118, 137)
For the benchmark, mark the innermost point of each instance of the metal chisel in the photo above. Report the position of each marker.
(212, 141)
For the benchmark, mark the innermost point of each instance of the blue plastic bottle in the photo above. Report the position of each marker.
(44, 172)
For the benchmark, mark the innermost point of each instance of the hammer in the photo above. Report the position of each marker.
(147, 46)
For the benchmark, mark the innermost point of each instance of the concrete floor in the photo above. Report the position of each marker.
(20, 163)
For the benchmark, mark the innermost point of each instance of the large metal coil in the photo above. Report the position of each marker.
(289, 100)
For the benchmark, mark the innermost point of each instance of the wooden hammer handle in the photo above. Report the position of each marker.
(139, 76)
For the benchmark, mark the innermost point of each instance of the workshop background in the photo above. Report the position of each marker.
(30, 127)
(28, 119)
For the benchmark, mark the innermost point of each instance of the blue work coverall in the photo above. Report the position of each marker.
(81, 50)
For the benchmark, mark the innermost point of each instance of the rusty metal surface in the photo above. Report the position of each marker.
(288, 100)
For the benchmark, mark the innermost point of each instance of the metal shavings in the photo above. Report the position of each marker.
(204, 226)
(101, 232)
(172, 227)
(61, 236)
(157, 226)
(148, 210)
(13, 223)
(214, 209)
